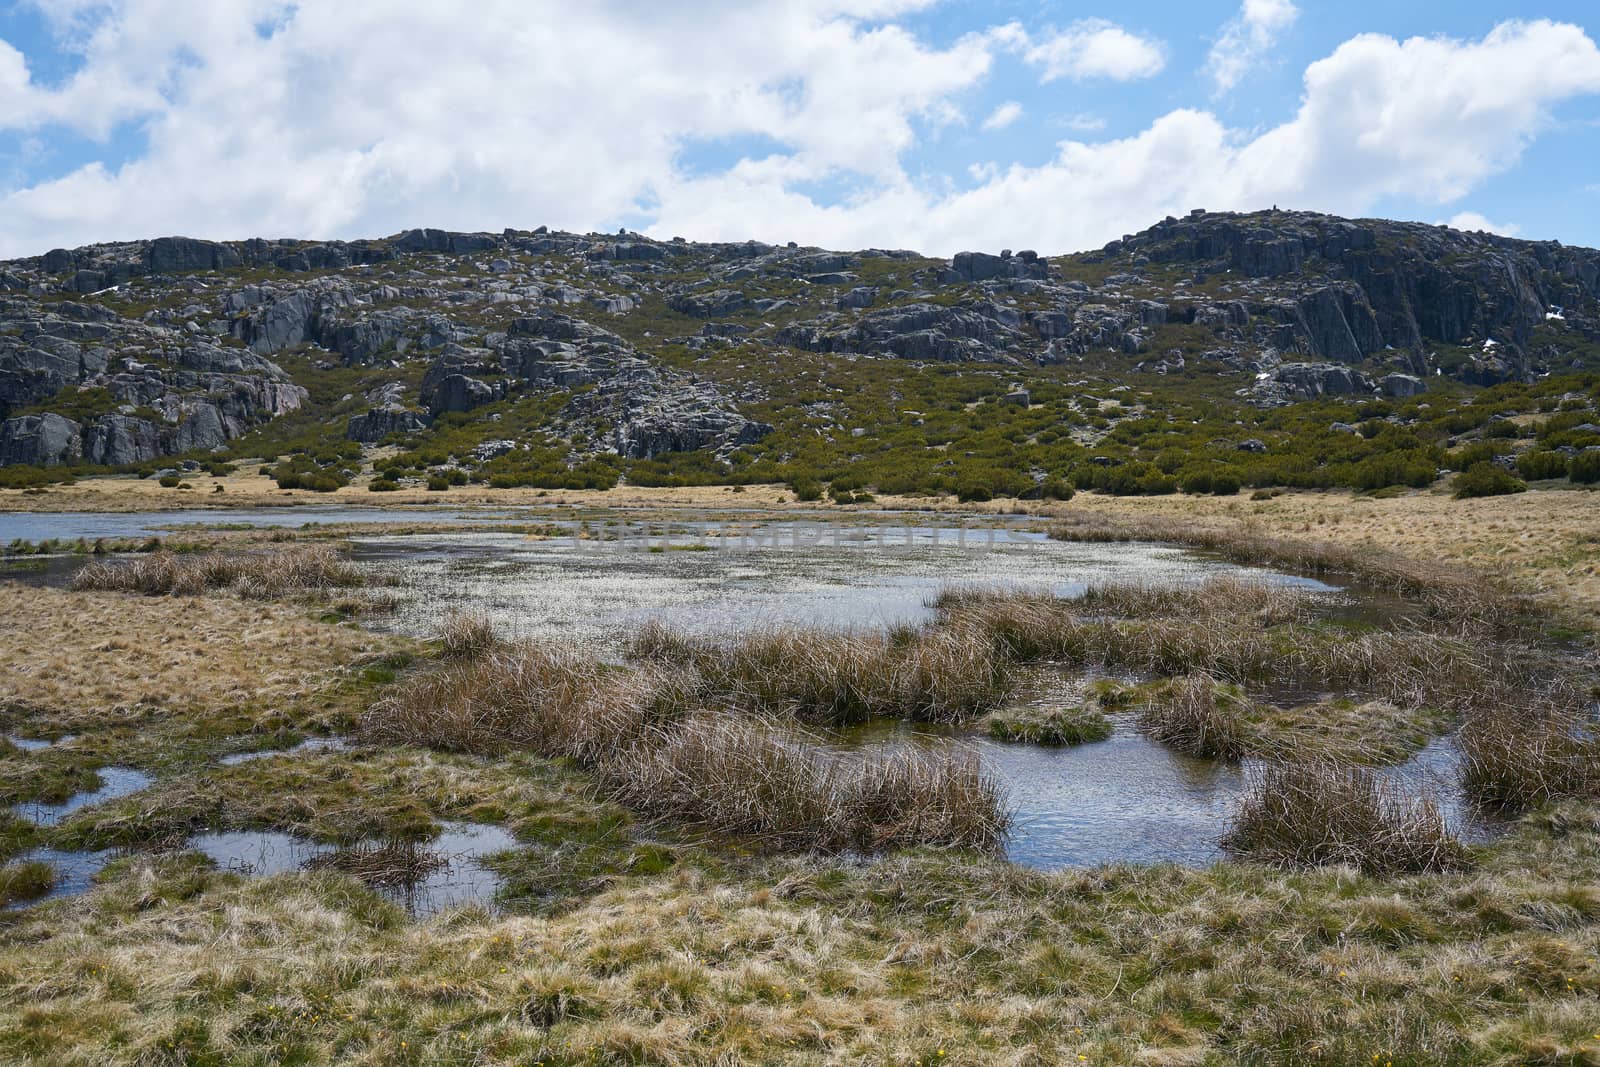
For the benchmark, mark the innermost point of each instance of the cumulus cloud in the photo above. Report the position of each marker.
(316, 119)
(1089, 48)
(1247, 38)
(1003, 116)
(1471, 221)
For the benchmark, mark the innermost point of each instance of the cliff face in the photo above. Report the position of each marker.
(1371, 285)
(120, 353)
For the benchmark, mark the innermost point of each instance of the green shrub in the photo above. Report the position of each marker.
(170, 481)
(1486, 479)
(383, 485)
(1541, 466)
(806, 489)
(1225, 483)
(1584, 468)
(438, 483)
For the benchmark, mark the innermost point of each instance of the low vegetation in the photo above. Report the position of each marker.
(1320, 814)
(264, 576)
(639, 734)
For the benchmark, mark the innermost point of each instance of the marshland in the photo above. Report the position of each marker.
(577, 785)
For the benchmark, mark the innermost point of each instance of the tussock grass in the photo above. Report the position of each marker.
(944, 674)
(635, 731)
(466, 635)
(1450, 594)
(1321, 814)
(753, 778)
(1067, 726)
(262, 576)
(1194, 714)
(25, 881)
(1517, 758)
(382, 865)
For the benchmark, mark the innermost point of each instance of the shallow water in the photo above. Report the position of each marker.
(114, 782)
(714, 578)
(309, 745)
(1129, 799)
(89, 525)
(456, 877)
(75, 871)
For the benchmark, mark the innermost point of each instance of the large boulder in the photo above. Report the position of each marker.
(40, 440)
(176, 255)
(375, 425)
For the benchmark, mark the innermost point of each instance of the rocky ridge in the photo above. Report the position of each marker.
(117, 354)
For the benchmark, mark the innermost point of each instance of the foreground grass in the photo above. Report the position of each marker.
(911, 959)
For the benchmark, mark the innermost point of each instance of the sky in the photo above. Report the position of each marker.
(935, 126)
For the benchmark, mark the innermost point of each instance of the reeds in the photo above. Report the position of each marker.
(1450, 594)
(264, 576)
(1513, 759)
(636, 731)
(1320, 814)
(1193, 715)
(941, 675)
(467, 636)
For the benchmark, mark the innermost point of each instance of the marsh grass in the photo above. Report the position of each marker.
(263, 576)
(1453, 595)
(636, 731)
(944, 674)
(25, 881)
(1039, 726)
(1196, 715)
(466, 635)
(1517, 758)
(1322, 814)
(383, 865)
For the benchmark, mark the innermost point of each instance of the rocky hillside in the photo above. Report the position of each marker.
(563, 351)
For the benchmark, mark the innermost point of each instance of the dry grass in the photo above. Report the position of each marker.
(1451, 594)
(95, 658)
(260, 576)
(467, 636)
(941, 674)
(1516, 758)
(1321, 814)
(635, 732)
(1192, 714)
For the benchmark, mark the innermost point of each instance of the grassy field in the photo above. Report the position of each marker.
(630, 930)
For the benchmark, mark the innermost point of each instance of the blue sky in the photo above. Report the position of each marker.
(905, 123)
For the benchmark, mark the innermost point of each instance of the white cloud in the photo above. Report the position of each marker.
(1426, 119)
(1082, 123)
(1247, 38)
(327, 125)
(1091, 48)
(1471, 221)
(1003, 116)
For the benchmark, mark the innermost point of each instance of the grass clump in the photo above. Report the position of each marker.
(263, 576)
(1197, 715)
(24, 881)
(1321, 814)
(943, 674)
(467, 636)
(636, 732)
(1514, 759)
(1066, 726)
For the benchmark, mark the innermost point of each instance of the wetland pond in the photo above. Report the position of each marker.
(592, 579)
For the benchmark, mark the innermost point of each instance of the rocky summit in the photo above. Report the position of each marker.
(591, 348)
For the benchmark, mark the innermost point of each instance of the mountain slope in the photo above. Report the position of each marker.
(554, 358)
